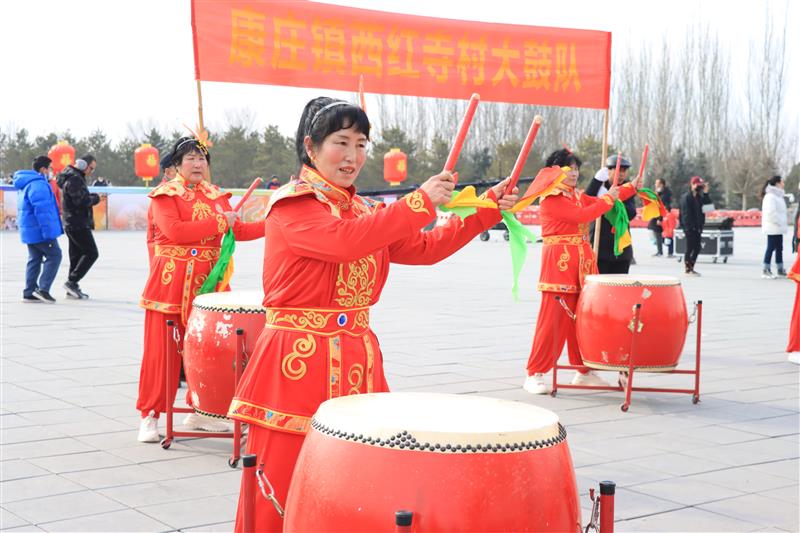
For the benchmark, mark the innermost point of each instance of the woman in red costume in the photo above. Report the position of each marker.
(794, 324)
(567, 259)
(329, 252)
(191, 215)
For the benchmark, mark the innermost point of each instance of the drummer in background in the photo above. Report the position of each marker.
(191, 215)
(567, 259)
(168, 172)
(329, 252)
(607, 262)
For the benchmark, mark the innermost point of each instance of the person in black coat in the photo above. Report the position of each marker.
(665, 194)
(607, 262)
(693, 219)
(77, 204)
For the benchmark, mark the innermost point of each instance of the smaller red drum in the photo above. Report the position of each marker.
(604, 322)
(458, 463)
(209, 348)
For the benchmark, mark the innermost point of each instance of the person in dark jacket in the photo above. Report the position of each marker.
(39, 228)
(607, 262)
(655, 224)
(693, 219)
(77, 203)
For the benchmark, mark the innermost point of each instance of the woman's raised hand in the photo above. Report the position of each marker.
(231, 217)
(505, 201)
(613, 192)
(439, 188)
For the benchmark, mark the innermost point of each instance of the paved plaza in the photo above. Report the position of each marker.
(70, 460)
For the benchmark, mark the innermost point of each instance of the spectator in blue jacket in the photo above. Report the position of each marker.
(39, 227)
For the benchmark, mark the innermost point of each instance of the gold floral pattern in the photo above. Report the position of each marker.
(355, 377)
(355, 282)
(574, 240)
(201, 210)
(302, 348)
(416, 202)
(301, 320)
(563, 260)
(334, 367)
(370, 361)
(166, 273)
(362, 319)
(185, 252)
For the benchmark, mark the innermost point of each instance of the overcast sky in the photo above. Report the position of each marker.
(126, 65)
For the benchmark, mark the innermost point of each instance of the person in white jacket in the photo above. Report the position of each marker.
(774, 224)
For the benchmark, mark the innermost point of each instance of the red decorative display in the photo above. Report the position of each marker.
(395, 166)
(62, 155)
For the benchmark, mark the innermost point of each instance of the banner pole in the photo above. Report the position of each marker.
(598, 223)
(200, 108)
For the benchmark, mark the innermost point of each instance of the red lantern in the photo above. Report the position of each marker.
(62, 155)
(395, 166)
(145, 160)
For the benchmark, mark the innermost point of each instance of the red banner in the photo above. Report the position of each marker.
(307, 44)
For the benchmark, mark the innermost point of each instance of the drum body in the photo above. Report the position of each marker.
(209, 347)
(459, 463)
(604, 322)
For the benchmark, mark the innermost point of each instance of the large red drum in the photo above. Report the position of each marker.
(209, 348)
(604, 322)
(459, 463)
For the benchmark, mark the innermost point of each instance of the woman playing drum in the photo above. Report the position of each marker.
(329, 252)
(566, 260)
(191, 215)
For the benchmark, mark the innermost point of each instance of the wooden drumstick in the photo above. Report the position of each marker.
(452, 159)
(256, 183)
(523, 153)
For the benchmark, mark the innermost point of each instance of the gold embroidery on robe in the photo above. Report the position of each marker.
(355, 376)
(201, 210)
(563, 260)
(417, 203)
(356, 289)
(166, 274)
(301, 349)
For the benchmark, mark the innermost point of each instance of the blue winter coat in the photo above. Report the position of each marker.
(37, 211)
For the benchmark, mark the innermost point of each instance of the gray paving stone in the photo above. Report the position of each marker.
(202, 512)
(116, 476)
(79, 461)
(19, 469)
(37, 487)
(686, 490)
(745, 479)
(121, 521)
(65, 506)
(43, 448)
(175, 490)
(687, 519)
(759, 510)
(9, 520)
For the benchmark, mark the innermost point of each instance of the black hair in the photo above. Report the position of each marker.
(320, 119)
(89, 158)
(41, 161)
(774, 180)
(664, 181)
(563, 158)
(187, 145)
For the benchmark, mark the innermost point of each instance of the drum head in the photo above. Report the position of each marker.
(241, 301)
(631, 280)
(445, 419)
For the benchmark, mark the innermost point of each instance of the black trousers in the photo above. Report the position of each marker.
(82, 253)
(605, 266)
(692, 247)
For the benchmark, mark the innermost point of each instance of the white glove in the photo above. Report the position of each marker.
(602, 175)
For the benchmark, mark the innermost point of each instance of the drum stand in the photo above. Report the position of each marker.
(172, 340)
(628, 386)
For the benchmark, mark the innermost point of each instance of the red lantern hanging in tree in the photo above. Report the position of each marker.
(145, 162)
(62, 155)
(395, 166)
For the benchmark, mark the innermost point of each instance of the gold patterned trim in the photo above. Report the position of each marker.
(558, 287)
(356, 289)
(624, 280)
(184, 253)
(623, 368)
(334, 367)
(301, 349)
(187, 291)
(416, 202)
(563, 260)
(161, 307)
(370, 362)
(324, 322)
(268, 418)
(574, 240)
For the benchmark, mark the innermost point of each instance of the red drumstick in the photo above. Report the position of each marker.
(616, 170)
(644, 160)
(452, 159)
(523, 154)
(256, 183)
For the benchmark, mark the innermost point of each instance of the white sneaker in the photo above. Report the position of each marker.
(206, 423)
(794, 358)
(536, 384)
(148, 429)
(589, 378)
